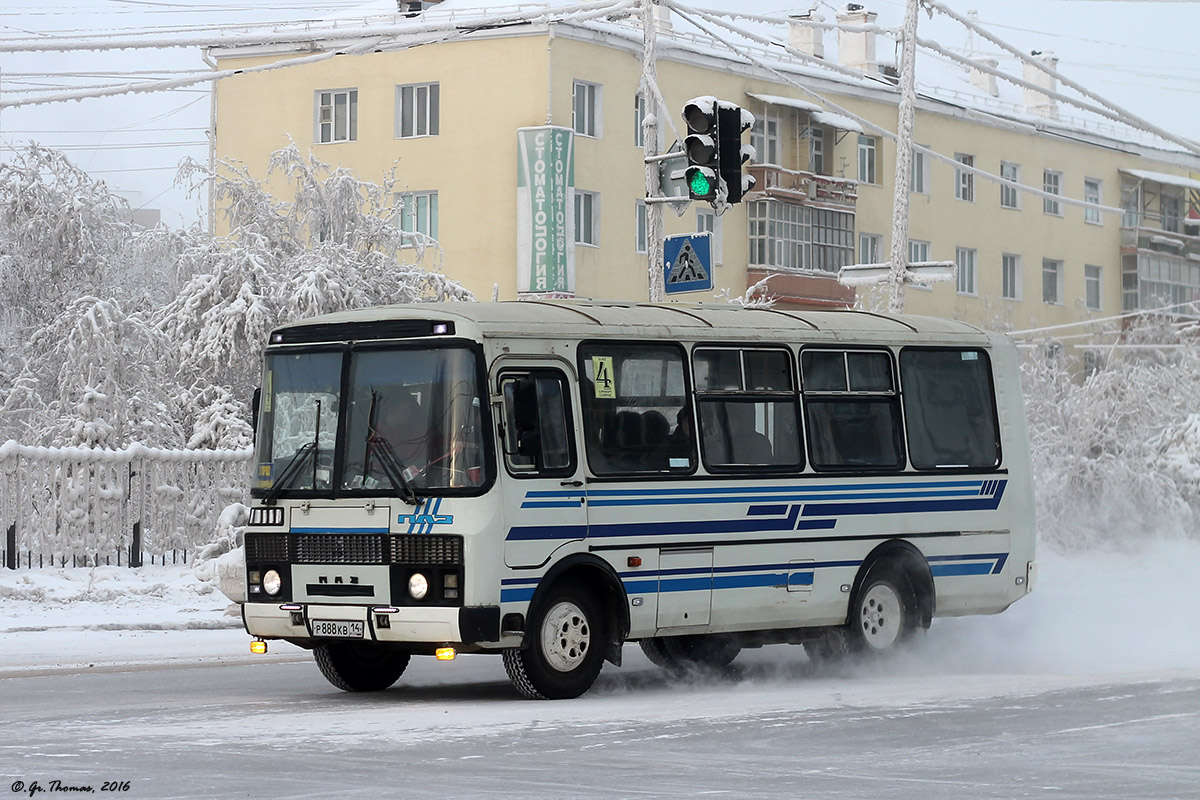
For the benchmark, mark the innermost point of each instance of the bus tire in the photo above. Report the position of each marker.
(360, 666)
(830, 647)
(656, 653)
(884, 613)
(711, 651)
(564, 648)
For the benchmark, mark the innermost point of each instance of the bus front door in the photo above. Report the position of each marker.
(545, 507)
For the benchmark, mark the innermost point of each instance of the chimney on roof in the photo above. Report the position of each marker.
(1039, 103)
(806, 38)
(856, 49)
(662, 18)
(985, 81)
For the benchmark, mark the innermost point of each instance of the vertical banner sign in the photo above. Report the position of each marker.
(546, 210)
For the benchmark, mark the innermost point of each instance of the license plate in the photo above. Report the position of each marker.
(337, 629)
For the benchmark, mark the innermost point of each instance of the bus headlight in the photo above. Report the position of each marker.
(418, 586)
(272, 582)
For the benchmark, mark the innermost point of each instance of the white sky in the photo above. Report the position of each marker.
(1137, 54)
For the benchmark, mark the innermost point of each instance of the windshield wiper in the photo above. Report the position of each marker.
(378, 444)
(392, 466)
(290, 472)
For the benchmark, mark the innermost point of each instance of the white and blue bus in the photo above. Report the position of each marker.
(548, 481)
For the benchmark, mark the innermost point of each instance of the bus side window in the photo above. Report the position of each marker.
(852, 409)
(948, 405)
(537, 431)
(748, 409)
(636, 415)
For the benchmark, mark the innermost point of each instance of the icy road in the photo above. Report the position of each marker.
(235, 726)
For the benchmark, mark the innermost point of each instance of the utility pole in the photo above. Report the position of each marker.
(654, 211)
(904, 145)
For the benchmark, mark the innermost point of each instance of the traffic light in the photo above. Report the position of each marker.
(703, 168)
(732, 122)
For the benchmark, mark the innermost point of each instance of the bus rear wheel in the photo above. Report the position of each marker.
(678, 653)
(883, 616)
(360, 666)
(564, 650)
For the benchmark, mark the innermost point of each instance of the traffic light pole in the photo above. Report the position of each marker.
(654, 211)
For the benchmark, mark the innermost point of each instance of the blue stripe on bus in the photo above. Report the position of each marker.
(688, 579)
(828, 487)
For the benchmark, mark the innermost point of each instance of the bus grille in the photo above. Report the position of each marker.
(353, 548)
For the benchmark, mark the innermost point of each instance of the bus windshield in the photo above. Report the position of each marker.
(411, 426)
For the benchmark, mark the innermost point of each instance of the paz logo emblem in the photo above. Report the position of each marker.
(687, 266)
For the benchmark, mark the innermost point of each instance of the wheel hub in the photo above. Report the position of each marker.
(880, 616)
(565, 636)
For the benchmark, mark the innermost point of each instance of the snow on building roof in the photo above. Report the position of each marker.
(1163, 177)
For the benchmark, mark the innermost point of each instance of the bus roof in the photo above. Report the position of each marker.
(584, 319)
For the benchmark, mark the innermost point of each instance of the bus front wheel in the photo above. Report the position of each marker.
(360, 666)
(564, 648)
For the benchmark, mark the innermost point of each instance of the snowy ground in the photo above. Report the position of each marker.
(1091, 614)
(1089, 689)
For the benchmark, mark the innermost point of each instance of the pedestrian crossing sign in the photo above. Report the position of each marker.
(688, 263)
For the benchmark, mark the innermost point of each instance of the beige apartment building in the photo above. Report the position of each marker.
(520, 149)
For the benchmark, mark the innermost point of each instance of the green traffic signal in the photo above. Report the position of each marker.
(699, 184)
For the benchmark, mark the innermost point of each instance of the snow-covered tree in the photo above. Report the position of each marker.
(80, 368)
(1109, 450)
(335, 245)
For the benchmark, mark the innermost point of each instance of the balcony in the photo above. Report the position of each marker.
(805, 187)
(1156, 240)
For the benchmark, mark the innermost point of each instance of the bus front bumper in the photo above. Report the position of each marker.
(415, 624)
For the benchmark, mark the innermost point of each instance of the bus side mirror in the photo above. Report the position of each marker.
(254, 401)
(528, 423)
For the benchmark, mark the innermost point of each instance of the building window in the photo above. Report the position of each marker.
(833, 239)
(780, 234)
(1091, 194)
(1010, 276)
(764, 137)
(1051, 281)
(816, 150)
(1131, 204)
(1156, 280)
(964, 181)
(1170, 212)
(586, 118)
(1009, 196)
(965, 258)
(918, 252)
(417, 110)
(868, 158)
(919, 178)
(868, 248)
(639, 116)
(707, 221)
(587, 217)
(1091, 286)
(337, 115)
(419, 213)
(641, 223)
(1052, 184)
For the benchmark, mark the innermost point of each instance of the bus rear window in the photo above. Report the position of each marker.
(949, 409)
